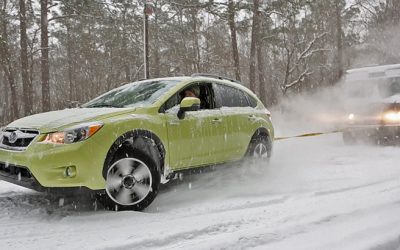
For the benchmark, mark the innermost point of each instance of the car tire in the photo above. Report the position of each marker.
(132, 181)
(260, 148)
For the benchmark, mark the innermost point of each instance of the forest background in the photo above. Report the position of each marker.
(56, 52)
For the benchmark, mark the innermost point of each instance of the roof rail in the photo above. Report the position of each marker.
(215, 76)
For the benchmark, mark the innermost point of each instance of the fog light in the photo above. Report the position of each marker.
(70, 171)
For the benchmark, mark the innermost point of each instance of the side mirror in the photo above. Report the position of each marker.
(188, 104)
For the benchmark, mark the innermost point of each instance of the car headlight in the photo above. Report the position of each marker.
(350, 117)
(392, 116)
(74, 134)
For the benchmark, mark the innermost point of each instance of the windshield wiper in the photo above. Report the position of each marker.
(104, 105)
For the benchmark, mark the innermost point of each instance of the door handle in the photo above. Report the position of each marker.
(173, 123)
(216, 121)
(252, 117)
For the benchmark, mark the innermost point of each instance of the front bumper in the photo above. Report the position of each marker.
(19, 175)
(43, 166)
(378, 132)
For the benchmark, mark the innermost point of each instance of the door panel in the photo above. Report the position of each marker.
(194, 140)
(239, 131)
(239, 118)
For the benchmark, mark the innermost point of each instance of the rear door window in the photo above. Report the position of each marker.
(230, 97)
(252, 101)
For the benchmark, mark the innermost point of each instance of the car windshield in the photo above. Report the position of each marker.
(362, 88)
(393, 87)
(133, 94)
(381, 88)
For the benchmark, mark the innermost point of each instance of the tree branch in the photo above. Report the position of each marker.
(297, 81)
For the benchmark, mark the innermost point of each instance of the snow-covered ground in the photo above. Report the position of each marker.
(316, 193)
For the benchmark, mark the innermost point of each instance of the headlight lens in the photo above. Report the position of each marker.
(351, 117)
(392, 117)
(74, 134)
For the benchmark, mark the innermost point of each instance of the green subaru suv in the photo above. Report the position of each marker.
(124, 143)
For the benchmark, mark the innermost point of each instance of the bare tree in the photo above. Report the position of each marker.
(339, 40)
(45, 55)
(295, 61)
(146, 12)
(195, 39)
(98, 44)
(5, 61)
(254, 44)
(260, 69)
(232, 28)
(27, 86)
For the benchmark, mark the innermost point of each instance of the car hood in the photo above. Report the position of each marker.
(392, 99)
(54, 120)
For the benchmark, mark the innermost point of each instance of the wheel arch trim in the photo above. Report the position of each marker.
(135, 134)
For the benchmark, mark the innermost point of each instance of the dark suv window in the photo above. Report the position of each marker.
(231, 97)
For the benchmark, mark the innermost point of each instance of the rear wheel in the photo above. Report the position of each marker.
(260, 148)
(132, 181)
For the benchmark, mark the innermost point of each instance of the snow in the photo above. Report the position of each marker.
(316, 193)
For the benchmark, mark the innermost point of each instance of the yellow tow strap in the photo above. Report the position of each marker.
(306, 135)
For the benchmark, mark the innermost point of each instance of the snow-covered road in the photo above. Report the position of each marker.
(316, 193)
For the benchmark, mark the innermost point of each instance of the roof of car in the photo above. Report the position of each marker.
(374, 68)
(373, 72)
(215, 78)
(183, 80)
(211, 77)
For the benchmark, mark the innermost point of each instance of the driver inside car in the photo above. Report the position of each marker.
(192, 92)
(195, 91)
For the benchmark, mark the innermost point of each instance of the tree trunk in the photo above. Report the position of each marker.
(261, 79)
(27, 86)
(6, 63)
(394, 5)
(71, 80)
(146, 41)
(232, 27)
(339, 42)
(5, 119)
(196, 48)
(125, 48)
(156, 49)
(45, 56)
(254, 36)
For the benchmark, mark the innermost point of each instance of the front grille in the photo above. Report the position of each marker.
(15, 172)
(17, 139)
(18, 143)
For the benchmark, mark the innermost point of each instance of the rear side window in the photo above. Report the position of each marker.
(231, 97)
(252, 101)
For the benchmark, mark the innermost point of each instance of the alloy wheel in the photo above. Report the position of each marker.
(129, 181)
(260, 151)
